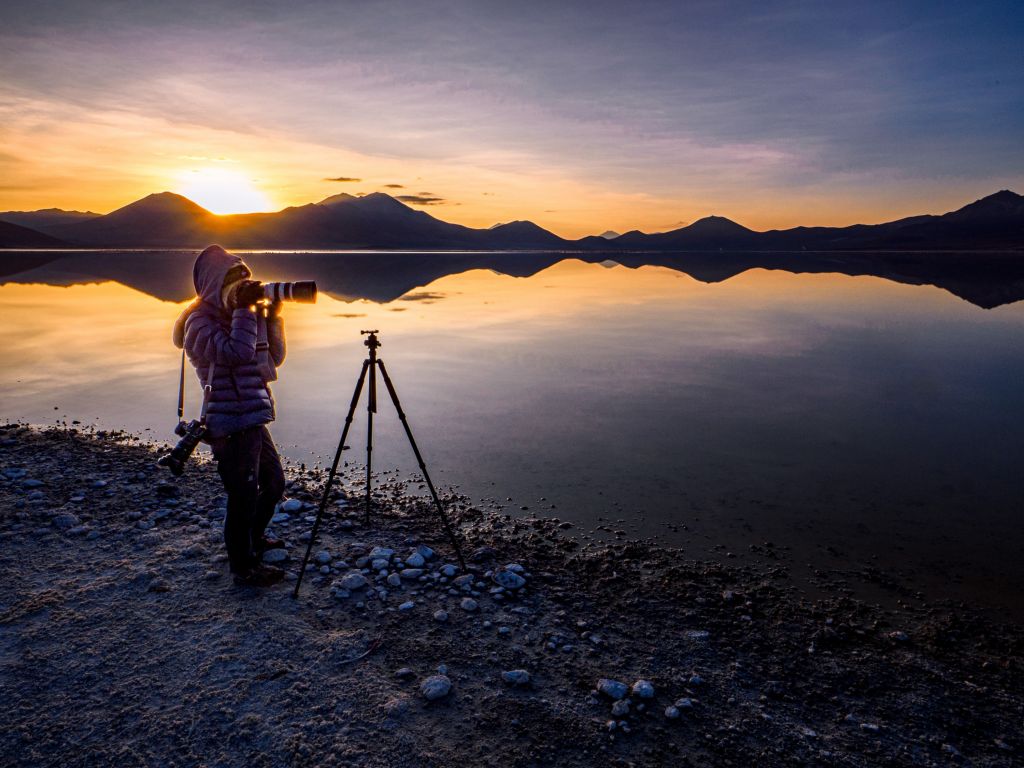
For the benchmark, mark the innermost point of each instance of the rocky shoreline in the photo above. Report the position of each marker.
(124, 642)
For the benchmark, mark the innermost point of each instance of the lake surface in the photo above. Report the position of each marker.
(858, 421)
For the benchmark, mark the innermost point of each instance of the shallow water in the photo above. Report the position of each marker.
(855, 420)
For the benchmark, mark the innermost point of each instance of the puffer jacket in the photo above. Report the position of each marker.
(241, 395)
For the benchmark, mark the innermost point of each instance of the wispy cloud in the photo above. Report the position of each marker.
(394, 186)
(421, 199)
(342, 178)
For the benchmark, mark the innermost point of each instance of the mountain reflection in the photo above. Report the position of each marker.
(986, 280)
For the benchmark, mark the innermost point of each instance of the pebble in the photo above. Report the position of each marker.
(323, 557)
(643, 689)
(509, 579)
(291, 505)
(415, 560)
(381, 553)
(411, 573)
(684, 703)
(449, 570)
(405, 673)
(468, 604)
(672, 713)
(435, 687)
(352, 580)
(396, 707)
(395, 580)
(66, 521)
(620, 708)
(407, 606)
(516, 677)
(275, 556)
(211, 575)
(425, 552)
(441, 616)
(612, 688)
(31, 483)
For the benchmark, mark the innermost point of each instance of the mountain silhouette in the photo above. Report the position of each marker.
(15, 236)
(379, 221)
(45, 218)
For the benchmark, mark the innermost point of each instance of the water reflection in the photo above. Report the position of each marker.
(880, 420)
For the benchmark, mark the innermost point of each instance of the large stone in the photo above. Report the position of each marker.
(352, 580)
(381, 553)
(291, 505)
(415, 560)
(323, 557)
(516, 677)
(435, 687)
(275, 556)
(643, 689)
(509, 579)
(612, 688)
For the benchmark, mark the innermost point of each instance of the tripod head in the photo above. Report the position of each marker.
(371, 339)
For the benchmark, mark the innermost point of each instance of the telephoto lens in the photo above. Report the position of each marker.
(303, 291)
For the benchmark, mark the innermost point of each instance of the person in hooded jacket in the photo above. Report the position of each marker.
(245, 343)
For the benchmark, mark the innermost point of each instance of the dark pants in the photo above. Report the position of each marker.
(250, 467)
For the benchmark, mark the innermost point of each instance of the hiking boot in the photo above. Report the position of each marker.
(259, 576)
(264, 542)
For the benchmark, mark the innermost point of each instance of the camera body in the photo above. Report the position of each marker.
(191, 433)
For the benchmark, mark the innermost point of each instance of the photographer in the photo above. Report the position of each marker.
(229, 327)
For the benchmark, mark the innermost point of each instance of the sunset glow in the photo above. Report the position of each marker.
(220, 190)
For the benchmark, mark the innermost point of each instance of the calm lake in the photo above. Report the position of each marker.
(862, 423)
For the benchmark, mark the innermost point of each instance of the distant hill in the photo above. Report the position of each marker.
(14, 236)
(46, 218)
(379, 221)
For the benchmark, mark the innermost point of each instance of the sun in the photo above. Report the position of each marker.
(220, 190)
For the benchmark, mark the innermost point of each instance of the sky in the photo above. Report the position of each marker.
(580, 116)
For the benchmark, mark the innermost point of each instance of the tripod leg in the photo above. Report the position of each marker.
(371, 408)
(423, 466)
(330, 477)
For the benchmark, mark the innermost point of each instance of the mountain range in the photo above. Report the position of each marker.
(379, 221)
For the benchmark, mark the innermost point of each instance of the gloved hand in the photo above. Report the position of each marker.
(247, 293)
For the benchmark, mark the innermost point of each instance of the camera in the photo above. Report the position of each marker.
(303, 291)
(191, 433)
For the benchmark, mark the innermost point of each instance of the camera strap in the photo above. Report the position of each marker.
(207, 390)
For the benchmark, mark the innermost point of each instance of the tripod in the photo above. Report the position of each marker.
(370, 365)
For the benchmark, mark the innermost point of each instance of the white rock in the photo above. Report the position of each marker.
(435, 687)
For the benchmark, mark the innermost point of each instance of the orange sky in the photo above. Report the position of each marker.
(576, 117)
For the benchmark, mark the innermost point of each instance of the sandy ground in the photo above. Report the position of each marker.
(123, 640)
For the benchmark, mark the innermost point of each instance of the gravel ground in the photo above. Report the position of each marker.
(123, 640)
